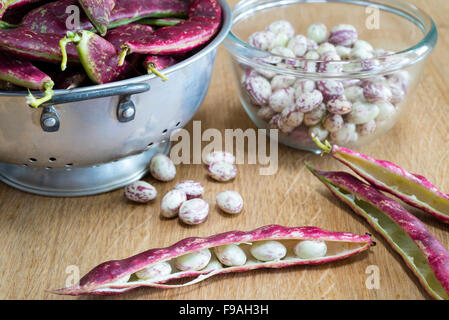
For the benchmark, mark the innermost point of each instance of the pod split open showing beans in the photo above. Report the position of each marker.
(413, 189)
(105, 279)
(203, 23)
(422, 252)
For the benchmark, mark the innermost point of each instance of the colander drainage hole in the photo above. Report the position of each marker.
(52, 159)
(24, 165)
(150, 144)
(165, 131)
(69, 165)
(32, 159)
(48, 168)
(177, 125)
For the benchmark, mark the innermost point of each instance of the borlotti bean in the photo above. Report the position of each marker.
(140, 191)
(160, 269)
(222, 171)
(355, 109)
(192, 189)
(231, 255)
(230, 201)
(171, 203)
(268, 250)
(162, 168)
(219, 156)
(192, 258)
(310, 249)
(194, 211)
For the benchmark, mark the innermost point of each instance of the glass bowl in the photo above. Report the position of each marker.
(349, 98)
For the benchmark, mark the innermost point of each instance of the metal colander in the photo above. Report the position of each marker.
(99, 138)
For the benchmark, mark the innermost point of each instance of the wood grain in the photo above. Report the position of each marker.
(40, 237)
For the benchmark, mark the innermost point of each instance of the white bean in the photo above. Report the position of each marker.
(230, 201)
(265, 113)
(387, 111)
(230, 255)
(343, 35)
(319, 132)
(345, 134)
(222, 171)
(303, 85)
(333, 122)
(315, 116)
(283, 51)
(171, 203)
(157, 270)
(140, 191)
(162, 168)
(325, 47)
(354, 94)
(298, 45)
(282, 27)
(194, 260)
(366, 129)
(262, 40)
(194, 211)
(311, 249)
(280, 82)
(292, 117)
(258, 88)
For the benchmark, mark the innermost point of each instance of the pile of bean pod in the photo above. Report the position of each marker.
(94, 46)
(345, 112)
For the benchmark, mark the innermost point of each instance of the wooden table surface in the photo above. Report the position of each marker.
(41, 238)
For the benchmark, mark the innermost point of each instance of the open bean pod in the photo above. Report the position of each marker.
(205, 257)
(411, 188)
(421, 251)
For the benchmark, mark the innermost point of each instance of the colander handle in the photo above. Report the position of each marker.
(124, 90)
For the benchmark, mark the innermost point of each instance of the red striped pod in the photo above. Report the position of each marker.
(98, 12)
(120, 34)
(13, 4)
(24, 74)
(203, 23)
(204, 257)
(412, 188)
(421, 251)
(31, 45)
(154, 64)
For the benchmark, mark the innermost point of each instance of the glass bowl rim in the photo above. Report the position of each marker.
(250, 55)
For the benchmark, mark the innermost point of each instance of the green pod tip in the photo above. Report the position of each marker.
(123, 54)
(70, 37)
(151, 68)
(326, 146)
(48, 95)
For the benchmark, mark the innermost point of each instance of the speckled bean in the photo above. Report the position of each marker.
(319, 132)
(222, 171)
(194, 211)
(364, 45)
(219, 156)
(317, 32)
(265, 113)
(258, 88)
(277, 123)
(162, 168)
(281, 81)
(345, 134)
(262, 40)
(361, 53)
(298, 45)
(310, 249)
(333, 122)
(343, 35)
(374, 91)
(292, 117)
(315, 116)
(340, 106)
(281, 27)
(362, 112)
(155, 271)
(193, 261)
(268, 250)
(325, 47)
(307, 101)
(303, 85)
(283, 51)
(282, 98)
(171, 203)
(230, 201)
(354, 94)
(397, 92)
(343, 52)
(331, 89)
(140, 191)
(387, 111)
(230, 255)
(367, 129)
(192, 189)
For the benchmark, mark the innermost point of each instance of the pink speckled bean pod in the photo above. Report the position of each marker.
(421, 251)
(102, 279)
(413, 189)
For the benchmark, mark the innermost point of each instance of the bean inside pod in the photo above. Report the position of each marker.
(202, 258)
